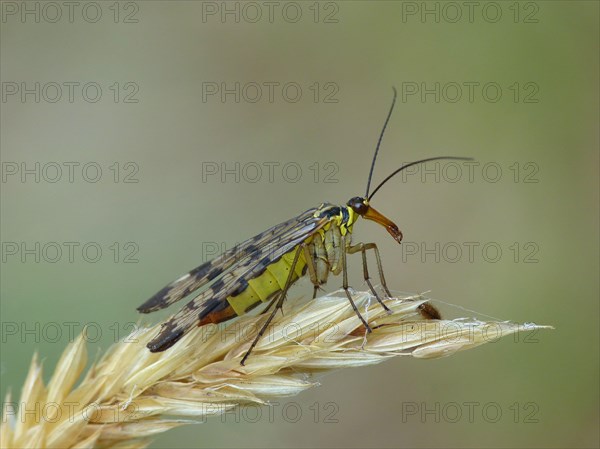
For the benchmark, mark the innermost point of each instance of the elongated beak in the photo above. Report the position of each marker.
(388, 224)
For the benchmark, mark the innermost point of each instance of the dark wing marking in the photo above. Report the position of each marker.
(214, 268)
(234, 281)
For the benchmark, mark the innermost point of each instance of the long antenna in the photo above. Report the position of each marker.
(415, 163)
(379, 141)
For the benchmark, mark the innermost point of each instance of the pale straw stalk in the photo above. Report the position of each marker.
(130, 394)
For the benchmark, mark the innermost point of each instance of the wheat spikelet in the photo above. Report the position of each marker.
(130, 394)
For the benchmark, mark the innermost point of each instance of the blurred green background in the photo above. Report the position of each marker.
(156, 63)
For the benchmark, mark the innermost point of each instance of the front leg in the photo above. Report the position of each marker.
(343, 249)
(373, 246)
(428, 311)
(362, 247)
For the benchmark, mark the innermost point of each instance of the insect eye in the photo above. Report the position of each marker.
(358, 205)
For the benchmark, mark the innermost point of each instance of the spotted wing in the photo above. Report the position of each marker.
(235, 280)
(214, 268)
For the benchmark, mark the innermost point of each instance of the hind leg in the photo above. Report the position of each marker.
(278, 300)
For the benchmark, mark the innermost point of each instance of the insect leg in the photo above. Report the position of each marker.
(363, 249)
(280, 299)
(312, 270)
(271, 302)
(345, 283)
(373, 246)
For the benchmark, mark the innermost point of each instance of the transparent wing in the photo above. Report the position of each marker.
(235, 280)
(216, 267)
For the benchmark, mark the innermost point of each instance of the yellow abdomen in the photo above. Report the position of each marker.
(272, 280)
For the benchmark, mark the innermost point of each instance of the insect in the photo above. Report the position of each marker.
(264, 267)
